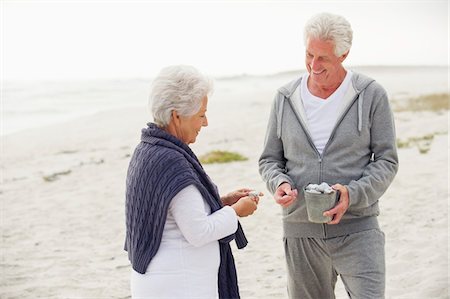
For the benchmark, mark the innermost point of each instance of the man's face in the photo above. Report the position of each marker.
(321, 62)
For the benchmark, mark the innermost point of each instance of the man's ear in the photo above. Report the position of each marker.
(343, 56)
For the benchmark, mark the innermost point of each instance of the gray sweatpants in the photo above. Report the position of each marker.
(313, 265)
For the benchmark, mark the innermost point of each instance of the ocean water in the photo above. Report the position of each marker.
(29, 104)
(35, 104)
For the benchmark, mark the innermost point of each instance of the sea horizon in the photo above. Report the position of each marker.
(27, 104)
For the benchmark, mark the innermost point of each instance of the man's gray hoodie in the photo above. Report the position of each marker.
(360, 154)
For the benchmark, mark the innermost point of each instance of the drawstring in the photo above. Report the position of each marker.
(280, 118)
(360, 104)
(360, 112)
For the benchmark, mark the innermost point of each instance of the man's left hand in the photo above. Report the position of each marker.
(339, 210)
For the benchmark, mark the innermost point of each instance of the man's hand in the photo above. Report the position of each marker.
(339, 210)
(284, 195)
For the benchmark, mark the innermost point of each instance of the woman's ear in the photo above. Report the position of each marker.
(175, 117)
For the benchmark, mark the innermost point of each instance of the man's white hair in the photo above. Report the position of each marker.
(326, 26)
(181, 88)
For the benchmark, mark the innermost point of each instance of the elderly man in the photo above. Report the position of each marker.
(331, 125)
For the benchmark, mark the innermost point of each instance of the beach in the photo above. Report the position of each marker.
(63, 194)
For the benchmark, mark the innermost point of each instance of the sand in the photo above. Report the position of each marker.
(62, 200)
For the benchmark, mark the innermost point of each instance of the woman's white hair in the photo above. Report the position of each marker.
(326, 26)
(181, 88)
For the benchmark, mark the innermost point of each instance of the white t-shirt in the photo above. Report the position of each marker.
(187, 262)
(322, 113)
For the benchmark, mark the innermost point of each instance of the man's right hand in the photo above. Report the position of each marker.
(285, 195)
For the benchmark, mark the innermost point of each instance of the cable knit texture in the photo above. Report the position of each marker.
(161, 166)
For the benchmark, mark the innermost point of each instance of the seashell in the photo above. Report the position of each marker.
(253, 193)
(313, 191)
(322, 188)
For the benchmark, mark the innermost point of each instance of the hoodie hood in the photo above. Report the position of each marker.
(355, 92)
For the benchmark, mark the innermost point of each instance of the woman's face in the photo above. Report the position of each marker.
(190, 126)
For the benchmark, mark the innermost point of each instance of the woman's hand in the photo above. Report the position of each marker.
(232, 197)
(245, 206)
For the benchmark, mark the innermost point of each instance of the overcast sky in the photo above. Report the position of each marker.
(129, 39)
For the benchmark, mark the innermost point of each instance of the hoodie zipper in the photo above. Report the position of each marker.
(319, 156)
(329, 141)
(324, 226)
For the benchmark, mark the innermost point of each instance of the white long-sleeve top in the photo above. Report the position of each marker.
(187, 262)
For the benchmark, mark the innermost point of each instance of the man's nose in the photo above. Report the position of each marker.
(314, 63)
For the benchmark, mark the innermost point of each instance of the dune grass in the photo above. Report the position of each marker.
(435, 102)
(221, 157)
(423, 143)
(54, 176)
(430, 102)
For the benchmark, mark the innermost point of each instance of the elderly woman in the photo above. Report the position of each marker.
(178, 227)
